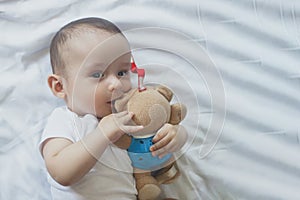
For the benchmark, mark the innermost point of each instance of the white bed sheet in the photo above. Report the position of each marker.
(234, 63)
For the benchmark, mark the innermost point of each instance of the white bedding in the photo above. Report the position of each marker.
(234, 63)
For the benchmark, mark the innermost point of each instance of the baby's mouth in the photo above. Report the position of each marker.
(112, 105)
(114, 98)
(112, 102)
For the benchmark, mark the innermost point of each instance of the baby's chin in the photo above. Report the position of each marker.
(102, 114)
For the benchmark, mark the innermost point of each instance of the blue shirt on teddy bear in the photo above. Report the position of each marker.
(141, 157)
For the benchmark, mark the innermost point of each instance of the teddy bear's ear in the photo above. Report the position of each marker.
(178, 113)
(166, 92)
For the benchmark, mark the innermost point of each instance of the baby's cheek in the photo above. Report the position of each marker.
(126, 84)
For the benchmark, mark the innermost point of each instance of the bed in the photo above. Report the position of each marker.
(234, 63)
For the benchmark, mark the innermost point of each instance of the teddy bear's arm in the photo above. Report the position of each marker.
(123, 142)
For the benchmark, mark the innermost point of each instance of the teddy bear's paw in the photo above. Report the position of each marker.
(149, 192)
(168, 176)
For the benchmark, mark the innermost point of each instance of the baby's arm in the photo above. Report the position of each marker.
(170, 138)
(68, 162)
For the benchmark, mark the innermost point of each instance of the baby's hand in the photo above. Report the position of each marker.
(168, 139)
(115, 125)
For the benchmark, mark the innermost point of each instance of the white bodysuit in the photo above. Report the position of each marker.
(111, 177)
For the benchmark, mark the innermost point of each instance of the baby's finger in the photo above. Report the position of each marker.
(126, 118)
(132, 129)
(162, 151)
(121, 114)
(170, 148)
(161, 143)
(160, 134)
(160, 156)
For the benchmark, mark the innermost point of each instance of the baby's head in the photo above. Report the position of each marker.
(90, 61)
(75, 30)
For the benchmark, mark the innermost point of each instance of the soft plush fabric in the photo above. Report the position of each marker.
(233, 63)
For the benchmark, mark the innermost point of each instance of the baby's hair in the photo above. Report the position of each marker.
(72, 29)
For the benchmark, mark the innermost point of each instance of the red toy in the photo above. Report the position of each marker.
(141, 75)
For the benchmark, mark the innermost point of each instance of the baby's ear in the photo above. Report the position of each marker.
(55, 83)
(166, 92)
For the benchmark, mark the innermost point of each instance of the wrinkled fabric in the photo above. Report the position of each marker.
(235, 64)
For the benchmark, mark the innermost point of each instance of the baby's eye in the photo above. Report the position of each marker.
(123, 73)
(97, 75)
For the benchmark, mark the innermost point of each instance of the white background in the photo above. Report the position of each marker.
(234, 63)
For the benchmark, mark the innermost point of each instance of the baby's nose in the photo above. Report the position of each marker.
(114, 83)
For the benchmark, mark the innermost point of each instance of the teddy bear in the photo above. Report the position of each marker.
(152, 109)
